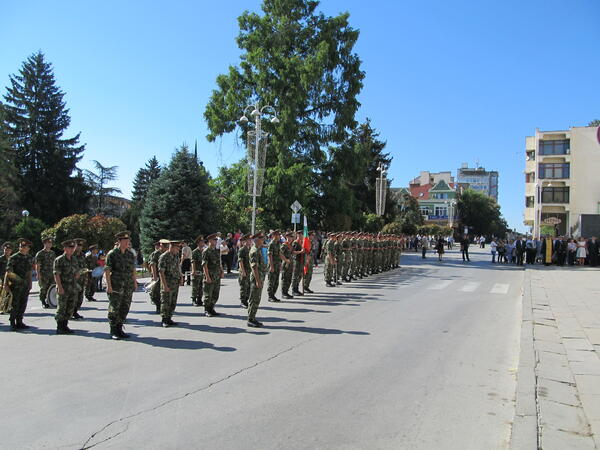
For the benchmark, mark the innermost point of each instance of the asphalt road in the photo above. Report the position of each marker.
(419, 358)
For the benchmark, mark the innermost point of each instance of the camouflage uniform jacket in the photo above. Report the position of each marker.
(121, 266)
(274, 250)
(286, 250)
(296, 246)
(244, 259)
(256, 260)
(45, 260)
(169, 264)
(197, 258)
(21, 265)
(211, 258)
(67, 269)
(91, 261)
(3, 263)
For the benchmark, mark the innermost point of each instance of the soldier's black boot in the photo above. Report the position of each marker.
(21, 325)
(329, 284)
(77, 316)
(60, 327)
(286, 295)
(157, 309)
(253, 323)
(114, 333)
(45, 304)
(13, 324)
(122, 333)
(213, 312)
(66, 327)
(307, 290)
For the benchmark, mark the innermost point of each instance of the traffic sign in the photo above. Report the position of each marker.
(296, 206)
(295, 218)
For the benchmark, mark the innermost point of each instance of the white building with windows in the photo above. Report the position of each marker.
(479, 179)
(562, 179)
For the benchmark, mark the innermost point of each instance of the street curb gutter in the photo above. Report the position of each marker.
(525, 424)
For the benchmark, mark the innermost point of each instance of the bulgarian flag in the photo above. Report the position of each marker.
(306, 245)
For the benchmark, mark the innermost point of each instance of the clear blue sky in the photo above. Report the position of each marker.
(446, 82)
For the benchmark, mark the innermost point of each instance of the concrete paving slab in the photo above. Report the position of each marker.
(593, 334)
(588, 384)
(546, 333)
(552, 439)
(577, 344)
(563, 417)
(554, 366)
(581, 355)
(591, 367)
(557, 392)
(591, 406)
(552, 347)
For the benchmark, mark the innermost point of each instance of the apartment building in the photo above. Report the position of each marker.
(479, 179)
(562, 179)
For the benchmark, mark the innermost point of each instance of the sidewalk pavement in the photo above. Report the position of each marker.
(558, 385)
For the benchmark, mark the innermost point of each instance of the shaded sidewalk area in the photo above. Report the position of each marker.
(558, 388)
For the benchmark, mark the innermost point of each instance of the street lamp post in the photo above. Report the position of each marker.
(380, 191)
(255, 157)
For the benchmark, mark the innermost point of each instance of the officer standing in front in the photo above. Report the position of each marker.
(120, 284)
(257, 276)
(18, 270)
(44, 260)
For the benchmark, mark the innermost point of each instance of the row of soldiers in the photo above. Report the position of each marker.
(16, 276)
(287, 257)
(352, 255)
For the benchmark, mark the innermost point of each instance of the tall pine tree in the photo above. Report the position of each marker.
(179, 204)
(35, 120)
(9, 201)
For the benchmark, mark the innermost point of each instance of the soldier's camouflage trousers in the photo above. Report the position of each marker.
(244, 283)
(211, 291)
(168, 300)
(308, 276)
(80, 286)
(197, 288)
(118, 306)
(274, 280)
(66, 304)
(329, 268)
(297, 275)
(155, 293)
(286, 277)
(44, 283)
(90, 287)
(20, 294)
(254, 299)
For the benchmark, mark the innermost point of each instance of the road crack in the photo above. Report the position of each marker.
(86, 445)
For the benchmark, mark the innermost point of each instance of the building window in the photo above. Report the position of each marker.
(530, 155)
(554, 170)
(558, 147)
(529, 201)
(530, 177)
(425, 210)
(555, 195)
(441, 211)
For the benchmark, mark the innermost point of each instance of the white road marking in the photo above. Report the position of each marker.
(470, 287)
(500, 288)
(443, 284)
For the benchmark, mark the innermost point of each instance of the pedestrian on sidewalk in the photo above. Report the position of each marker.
(464, 248)
(581, 251)
(424, 246)
(493, 248)
(571, 252)
(439, 246)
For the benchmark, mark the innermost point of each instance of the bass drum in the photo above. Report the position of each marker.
(52, 297)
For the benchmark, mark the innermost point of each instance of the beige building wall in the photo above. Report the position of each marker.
(583, 181)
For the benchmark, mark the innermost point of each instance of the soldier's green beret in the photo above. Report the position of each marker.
(79, 241)
(7, 245)
(210, 237)
(48, 238)
(69, 243)
(93, 246)
(123, 235)
(199, 238)
(23, 241)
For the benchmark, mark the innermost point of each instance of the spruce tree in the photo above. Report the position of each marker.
(179, 204)
(9, 201)
(35, 120)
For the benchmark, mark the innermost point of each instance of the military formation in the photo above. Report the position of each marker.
(282, 260)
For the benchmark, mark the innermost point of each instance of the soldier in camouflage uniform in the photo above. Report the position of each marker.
(244, 267)
(66, 273)
(7, 249)
(170, 279)
(120, 283)
(83, 277)
(44, 260)
(275, 261)
(309, 263)
(330, 261)
(298, 254)
(159, 248)
(18, 271)
(91, 262)
(213, 272)
(257, 277)
(197, 273)
(288, 265)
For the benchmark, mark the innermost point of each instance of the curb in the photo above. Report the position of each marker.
(524, 433)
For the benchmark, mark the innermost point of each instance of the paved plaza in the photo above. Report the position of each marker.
(434, 355)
